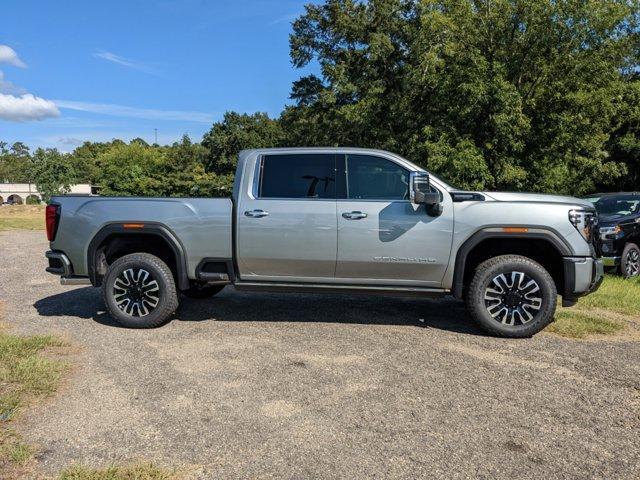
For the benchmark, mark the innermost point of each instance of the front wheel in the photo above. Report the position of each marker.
(512, 296)
(630, 265)
(139, 291)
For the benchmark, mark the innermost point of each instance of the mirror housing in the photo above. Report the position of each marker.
(423, 194)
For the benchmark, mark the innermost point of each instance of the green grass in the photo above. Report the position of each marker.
(578, 324)
(13, 452)
(616, 295)
(21, 217)
(25, 375)
(21, 453)
(23, 371)
(143, 471)
(604, 312)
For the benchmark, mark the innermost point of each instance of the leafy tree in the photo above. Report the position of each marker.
(128, 170)
(493, 93)
(85, 158)
(15, 163)
(52, 172)
(624, 143)
(185, 173)
(140, 169)
(237, 132)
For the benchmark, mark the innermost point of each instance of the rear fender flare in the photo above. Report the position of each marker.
(156, 229)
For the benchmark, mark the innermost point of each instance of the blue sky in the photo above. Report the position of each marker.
(94, 70)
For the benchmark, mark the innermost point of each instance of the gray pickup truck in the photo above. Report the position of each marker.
(332, 220)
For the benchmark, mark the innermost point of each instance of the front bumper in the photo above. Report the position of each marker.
(582, 276)
(59, 264)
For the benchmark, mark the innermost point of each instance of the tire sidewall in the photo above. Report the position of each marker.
(625, 253)
(490, 269)
(166, 286)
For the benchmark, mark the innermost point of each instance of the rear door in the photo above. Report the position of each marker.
(287, 227)
(383, 238)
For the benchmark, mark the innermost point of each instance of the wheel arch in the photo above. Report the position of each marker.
(152, 238)
(519, 240)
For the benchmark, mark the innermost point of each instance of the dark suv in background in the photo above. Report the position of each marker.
(619, 230)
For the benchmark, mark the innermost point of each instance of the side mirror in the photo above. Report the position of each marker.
(423, 194)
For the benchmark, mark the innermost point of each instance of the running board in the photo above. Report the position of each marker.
(328, 288)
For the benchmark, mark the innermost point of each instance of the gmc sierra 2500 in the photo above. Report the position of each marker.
(332, 220)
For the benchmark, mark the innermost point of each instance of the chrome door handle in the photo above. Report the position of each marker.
(255, 213)
(354, 215)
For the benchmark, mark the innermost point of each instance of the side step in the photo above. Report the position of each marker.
(328, 288)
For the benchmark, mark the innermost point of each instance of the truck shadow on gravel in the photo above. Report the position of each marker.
(231, 306)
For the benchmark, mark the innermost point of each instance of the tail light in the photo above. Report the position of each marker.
(52, 217)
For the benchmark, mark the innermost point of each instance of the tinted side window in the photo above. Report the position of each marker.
(298, 176)
(374, 178)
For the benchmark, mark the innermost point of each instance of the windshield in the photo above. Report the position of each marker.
(616, 205)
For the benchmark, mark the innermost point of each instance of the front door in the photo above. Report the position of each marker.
(383, 238)
(287, 228)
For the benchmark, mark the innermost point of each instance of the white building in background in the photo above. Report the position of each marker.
(20, 192)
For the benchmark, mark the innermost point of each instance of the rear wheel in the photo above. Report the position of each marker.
(512, 296)
(630, 265)
(139, 291)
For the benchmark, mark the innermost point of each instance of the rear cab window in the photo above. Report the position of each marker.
(297, 176)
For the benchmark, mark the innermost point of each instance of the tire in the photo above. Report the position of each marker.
(201, 291)
(504, 282)
(630, 263)
(136, 300)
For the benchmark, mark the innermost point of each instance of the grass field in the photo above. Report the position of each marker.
(614, 308)
(21, 217)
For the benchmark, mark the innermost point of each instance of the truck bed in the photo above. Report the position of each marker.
(203, 226)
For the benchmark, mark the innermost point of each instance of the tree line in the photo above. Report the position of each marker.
(539, 95)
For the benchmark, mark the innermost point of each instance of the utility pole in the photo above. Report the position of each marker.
(156, 133)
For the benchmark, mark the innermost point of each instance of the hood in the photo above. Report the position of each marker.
(615, 219)
(537, 198)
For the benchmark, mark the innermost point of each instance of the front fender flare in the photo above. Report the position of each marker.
(537, 233)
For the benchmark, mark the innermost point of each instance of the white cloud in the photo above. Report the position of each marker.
(125, 62)
(285, 19)
(8, 55)
(26, 107)
(133, 112)
(7, 87)
(16, 105)
(70, 141)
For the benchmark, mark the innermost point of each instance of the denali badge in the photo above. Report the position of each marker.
(404, 260)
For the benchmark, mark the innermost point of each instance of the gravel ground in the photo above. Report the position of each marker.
(300, 386)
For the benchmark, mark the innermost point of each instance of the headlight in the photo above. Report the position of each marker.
(610, 230)
(584, 222)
